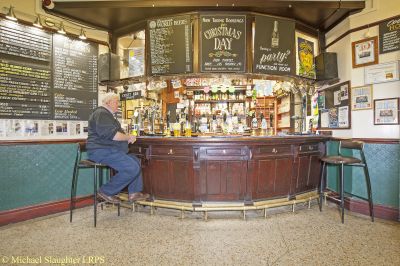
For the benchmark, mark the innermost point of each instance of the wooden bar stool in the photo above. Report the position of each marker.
(97, 175)
(341, 161)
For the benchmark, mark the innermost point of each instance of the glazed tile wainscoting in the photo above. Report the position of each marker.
(383, 164)
(34, 177)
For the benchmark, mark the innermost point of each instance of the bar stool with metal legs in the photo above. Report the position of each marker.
(341, 161)
(97, 175)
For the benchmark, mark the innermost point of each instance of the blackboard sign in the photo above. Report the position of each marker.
(75, 78)
(130, 95)
(389, 36)
(334, 107)
(24, 90)
(274, 46)
(170, 45)
(45, 76)
(24, 41)
(223, 43)
(25, 80)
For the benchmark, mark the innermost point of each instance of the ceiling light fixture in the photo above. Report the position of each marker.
(11, 15)
(61, 29)
(82, 35)
(38, 22)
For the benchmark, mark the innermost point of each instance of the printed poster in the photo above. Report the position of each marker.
(305, 51)
(336, 97)
(343, 117)
(324, 118)
(333, 117)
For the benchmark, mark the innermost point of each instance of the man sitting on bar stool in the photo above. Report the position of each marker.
(107, 143)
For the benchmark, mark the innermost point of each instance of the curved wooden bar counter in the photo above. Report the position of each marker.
(229, 171)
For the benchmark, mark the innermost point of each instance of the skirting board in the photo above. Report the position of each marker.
(362, 207)
(30, 212)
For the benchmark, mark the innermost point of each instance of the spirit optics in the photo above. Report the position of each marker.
(11, 15)
(61, 29)
(38, 22)
(82, 35)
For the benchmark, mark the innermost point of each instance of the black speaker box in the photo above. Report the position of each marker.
(108, 67)
(326, 66)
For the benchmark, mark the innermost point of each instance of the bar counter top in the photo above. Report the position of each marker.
(231, 138)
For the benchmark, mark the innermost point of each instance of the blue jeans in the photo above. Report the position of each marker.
(127, 166)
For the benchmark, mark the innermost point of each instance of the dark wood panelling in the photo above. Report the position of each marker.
(171, 179)
(302, 173)
(283, 176)
(264, 178)
(223, 179)
(226, 169)
(315, 171)
(272, 177)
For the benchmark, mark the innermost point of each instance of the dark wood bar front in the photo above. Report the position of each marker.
(229, 169)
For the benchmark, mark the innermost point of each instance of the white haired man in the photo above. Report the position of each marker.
(107, 143)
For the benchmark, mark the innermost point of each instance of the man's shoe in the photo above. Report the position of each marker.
(138, 196)
(110, 199)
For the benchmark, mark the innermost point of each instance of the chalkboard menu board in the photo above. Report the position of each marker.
(334, 107)
(25, 80)
(389, 36)
(274, 46)
(24, 90)
(45, 76)
(75, 78)
(170, 45)
(223, 43)
(24, 41)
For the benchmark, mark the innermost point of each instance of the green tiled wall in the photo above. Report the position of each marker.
(384, 170)
(35, 174)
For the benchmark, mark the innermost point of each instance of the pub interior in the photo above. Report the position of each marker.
(234, 106)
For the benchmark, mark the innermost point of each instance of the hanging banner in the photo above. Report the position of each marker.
(305, 53)
(389, 36)
(274, 46)
(223, 43)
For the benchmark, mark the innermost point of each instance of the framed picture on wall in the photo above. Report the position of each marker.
(361, 97)
(386, 111)
(129, 114)
(365, 52)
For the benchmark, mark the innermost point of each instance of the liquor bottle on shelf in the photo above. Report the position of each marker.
(214, 124)
(275, 36)
(240, 127)
(254, 122)
(271, 119)
(195, 127)
(224, 125)
(263, 122)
